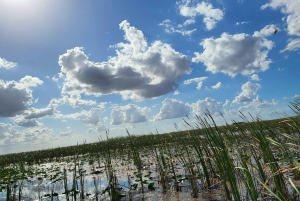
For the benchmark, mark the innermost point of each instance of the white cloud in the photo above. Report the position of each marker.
(137, 72)
(26, 122)
(73, 100)
(227, 102)
(66, 134)
(176, 93)
(7, 64)
(15, 96)
(248, 90)
(258, 103)
(169, 28)
(217, 86)
(10, 136)
(34, 113)
(296, 96)
(129, 114)
(293, 24)
(238, 53)
(293, 45)
(172, 108)
(255, 77)
(58, 76)
(90, 117)
(188, 22)
(211, 15)
(31, 81)
(241, 23)
(291, 8)
(207, 105)
(198, 80)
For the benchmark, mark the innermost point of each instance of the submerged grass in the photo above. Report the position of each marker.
(253, 160)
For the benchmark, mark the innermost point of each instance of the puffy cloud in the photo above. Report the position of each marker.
(255, 77)
(15, 96)
(248, 90)
(291, 8)
(73, 100)
(227, 102)
(211, 15)
(169, 28)
(31, 81)
(66, 134)
(188, 22)
(176, 93)
(293, 24)
(26, 122)
(172, 108)
(88, 117)
(238, 53)
(91, 117)
(137, 72)
(129, 114)
(208, 104)
(34, 113)
(198, 80)
(10, 136)
(7, 64)
(293, 44)
(217, 86)
(259, 103)
(266, 31)
(36, 135)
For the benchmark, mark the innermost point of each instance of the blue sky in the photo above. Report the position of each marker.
(71, 69)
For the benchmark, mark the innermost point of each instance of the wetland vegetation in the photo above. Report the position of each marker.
(248, 160)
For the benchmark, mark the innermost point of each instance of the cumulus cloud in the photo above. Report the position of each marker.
(7, 64)
(10, 136)
(227, 102)
(169, 28)
(248, 90)
(34, 113)
(66, 134)
(16, 96)
(293, 45)
(198, 80)
(292, 9)
(26, 122)
(238, 53)
(90, 117)
(73, 100)
(211, 15)
(30, 81)
(255, 77)
(217, 86)
(139, 71)
(207, 105)
(172, 108)
(176, 93)
(130, 113)
(259, 103)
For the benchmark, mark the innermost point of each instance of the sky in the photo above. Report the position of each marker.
(70, 70)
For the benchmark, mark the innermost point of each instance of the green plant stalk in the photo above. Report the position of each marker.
(197, 146)
(171, 156)
(134, 153)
